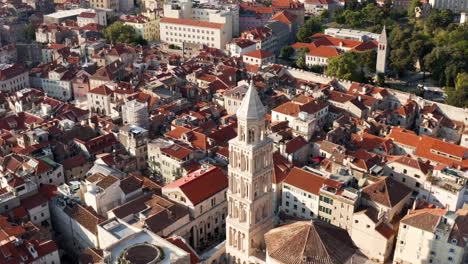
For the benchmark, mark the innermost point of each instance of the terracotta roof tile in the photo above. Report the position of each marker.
(201, 185)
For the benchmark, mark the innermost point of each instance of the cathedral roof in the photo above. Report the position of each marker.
(311, 242)
(251, 106)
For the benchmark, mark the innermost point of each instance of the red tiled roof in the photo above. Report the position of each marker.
(189, 22)
(324, 51)
(102, 90)
(259, 54)
(177, 151)
(293, 108)
(73, 162)
(87, 15)
(201, 185)
(295, 144)
(308, 181)
(34, 201)
(282, 166)
(194, 259)
(429, 147)
(285, 17)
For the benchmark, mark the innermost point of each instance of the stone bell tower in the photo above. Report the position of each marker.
(382, 53)
(250, 211)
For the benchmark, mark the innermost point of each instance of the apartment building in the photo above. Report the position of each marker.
(135, 113)
(113, 5)
(13, 78)
(337, 204)
(373, 225)
(259, 58)
(301, 193)
(178, 31)
(305, 115)
(447, 188)
(58, 83)
(453, 5)
(135, 140)
(145, 26)
(207, 206)
(169, 159)
(432, 236)
(96, 17)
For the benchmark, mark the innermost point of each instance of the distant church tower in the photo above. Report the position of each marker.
(250, 210)
(382, 53)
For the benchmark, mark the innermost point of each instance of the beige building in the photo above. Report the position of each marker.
(374, 226)
(250, 197)
(146, 26)
(168, 159)
(13, 78)
(259, 58)
(113, 5)
(233, 98)
(207, 206)
(432, 236)
(135, 140)
(99, 100)
(337, 205)
(178, 31)
(304, 114)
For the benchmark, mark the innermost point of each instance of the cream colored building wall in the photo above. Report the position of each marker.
(178, 34)
(406, 175)
(341, 210)
(101, 101)
(16, 83)
(306, 203)
(105, 201)
(373, 244)
(231, 104)
(206, 217)
(315, 60)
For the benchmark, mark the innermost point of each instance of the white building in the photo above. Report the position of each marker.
(178, 31)
(447, 188)
(432, 236)
(58, 84)
(13, 78)
(96, 17)
(305, 115)
(135, 113)
(301, 193)
(351, 34)
(103, 193)
(118, 238)
(453, 5)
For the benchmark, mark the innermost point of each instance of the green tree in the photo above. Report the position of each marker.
(368, 59)
(380, 79)
(372, 14)
(324, 15)
(121, 33)
(30, 31)
(345, 66)
(300, 61)
(401, 60)
(311, 26)
(286, 52)
(353, 18)
(438, 18)
(458, 96)
(414, 4)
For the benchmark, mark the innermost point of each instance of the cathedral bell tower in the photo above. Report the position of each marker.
(382, 53)
(249, 196)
